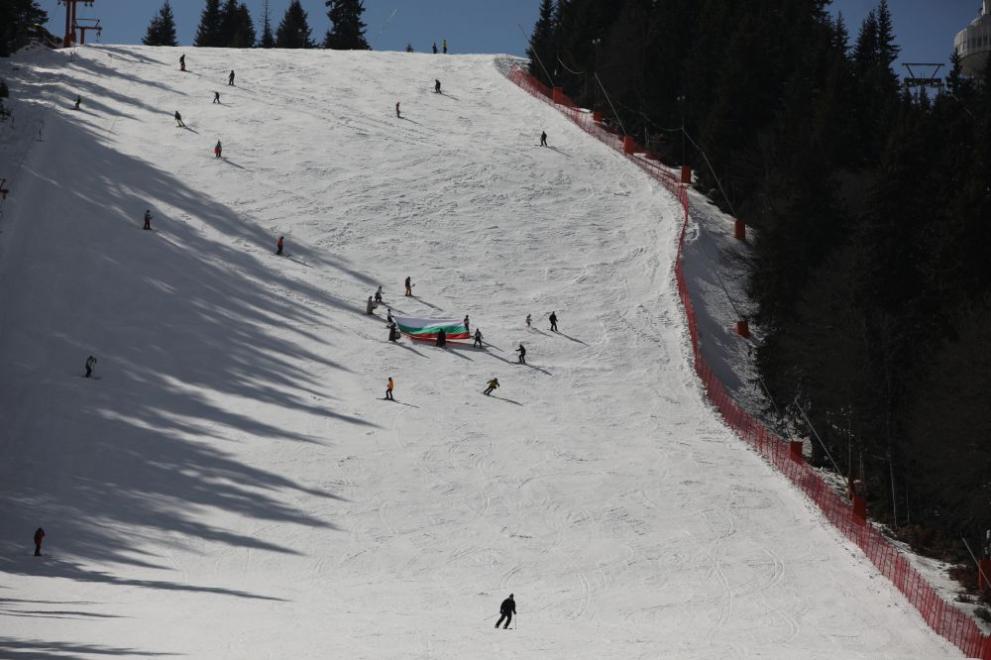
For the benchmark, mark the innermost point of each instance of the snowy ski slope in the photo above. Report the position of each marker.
(234, 486)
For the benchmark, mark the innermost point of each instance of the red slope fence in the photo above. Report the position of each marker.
(849, 517)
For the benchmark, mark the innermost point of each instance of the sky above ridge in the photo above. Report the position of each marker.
(925, 28)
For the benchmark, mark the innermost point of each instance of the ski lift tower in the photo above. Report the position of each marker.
(85, 24)
(923, 75)
(70, 20)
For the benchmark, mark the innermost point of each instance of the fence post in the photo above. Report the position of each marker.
(984, 574)
(795, 451)
(743, 328)
(740, 230)
(597, 117)
(686, 174)
(629, 145)
(557, 95)
(859, 510)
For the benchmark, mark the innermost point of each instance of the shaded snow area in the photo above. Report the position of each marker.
(234, 486)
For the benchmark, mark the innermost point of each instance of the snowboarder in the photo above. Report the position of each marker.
(90, 365)
(378, 295)
(216, 97)
(178, 120)
(388, 389)
(445, 46)
(279, 245)
(543, 138)
(79, 100)
(553, 320)
(467, 326)
(398, 114)
(218, 150)
(182, 62)
(478, 338)
(393, 332)
(506, 610)
(409, 286)
(230, 79)
(522, 352)
(147, 220)
(441, 338)
(369, 306)
(493, 385)
(436, 86)
(435, 48)
(39, 536)
(529, 320)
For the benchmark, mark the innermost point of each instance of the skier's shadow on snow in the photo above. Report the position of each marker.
(408, 348)
(455, 348)
(411, 121)
(425, 303)
(233, 164)
(450, 96)
(517, 362)
(574, 339)
(560, 151)
(402, 403)
(499, 398)
(191, 130)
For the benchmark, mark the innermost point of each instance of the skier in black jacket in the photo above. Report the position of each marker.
(507, 610)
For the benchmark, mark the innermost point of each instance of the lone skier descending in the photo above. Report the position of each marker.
(529, 320)
(478, 338)
(39, 536)
(79, 100)
(90, 365)
(493, 385)
(436, 86)
(506, 610)
(279, 245)
(216, 97)
(182, 62)
(218, 150)
(543, 138)
(147, 220)
(409, 286)
(230, 79)
(388, 389)
(522, 352)
(178, 120)
(553, 320)
(398, 114)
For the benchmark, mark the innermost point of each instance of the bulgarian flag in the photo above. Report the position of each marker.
(427, 329)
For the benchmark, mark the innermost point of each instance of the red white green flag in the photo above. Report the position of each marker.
(427, 329)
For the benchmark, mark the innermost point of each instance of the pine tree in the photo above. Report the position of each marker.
(210, 32)
(19, 20)
(268, 40)
(244, 30)
(347, 30)
(229, 22)
(541, 49)
(294, 31)
(161, 30)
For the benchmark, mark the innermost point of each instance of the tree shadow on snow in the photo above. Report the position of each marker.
(24, 649)
(142, 453)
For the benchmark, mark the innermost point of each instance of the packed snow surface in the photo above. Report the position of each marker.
(234, 485)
